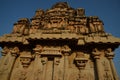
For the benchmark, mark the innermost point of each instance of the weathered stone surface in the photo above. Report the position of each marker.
(61, 43)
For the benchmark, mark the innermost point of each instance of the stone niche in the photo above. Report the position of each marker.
(61, 43)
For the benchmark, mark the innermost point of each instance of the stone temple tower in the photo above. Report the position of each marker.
(61, 43)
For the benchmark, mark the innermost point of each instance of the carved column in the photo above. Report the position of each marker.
(49, 70)
(37, 65)
(57, 68)
(14, 52)
(96, 55)
(8, 62)
(66, 51)
(44, 63)
(56, 64)
(4, 52)
(110, 56)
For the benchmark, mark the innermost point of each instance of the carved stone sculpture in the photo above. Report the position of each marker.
(80, 12)
(61, 43)
(21, 27)
(39, 13)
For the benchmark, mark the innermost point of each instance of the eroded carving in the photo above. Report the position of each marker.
(109, 53)
(56, 61)
(15, 51)
(44, 60)
(96, 53)
(107, 76)
(21, 27)
(80, 12)
(25, 58)
(61, 43)
(5, 50)
(38, 49)
(80, 60)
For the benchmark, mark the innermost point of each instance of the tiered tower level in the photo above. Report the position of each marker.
(61, 43)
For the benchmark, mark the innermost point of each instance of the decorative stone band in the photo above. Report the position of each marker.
(101, 39)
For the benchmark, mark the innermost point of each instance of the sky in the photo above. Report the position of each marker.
(107, 10)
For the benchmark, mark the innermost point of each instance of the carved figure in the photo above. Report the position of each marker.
(92, 28)
(98, 24)
(66, 48)
(15, 51)
(5, 50)
(80, 60)
(39, 13)
(33, 29)
(25, 58)
(21, 27)
(16, 28)
(83, 29)
(100, 27)
(80, 12)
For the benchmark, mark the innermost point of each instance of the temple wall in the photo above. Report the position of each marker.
(61, 43)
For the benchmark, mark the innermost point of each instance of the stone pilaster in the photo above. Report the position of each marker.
(38, 49)
(44, 61)
(96, 55)
(56, 68)
(49, 70)
(66, 51)
(8, 62)
(36, 73)
(110, 56)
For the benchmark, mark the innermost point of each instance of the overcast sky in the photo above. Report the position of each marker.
(107, 10)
